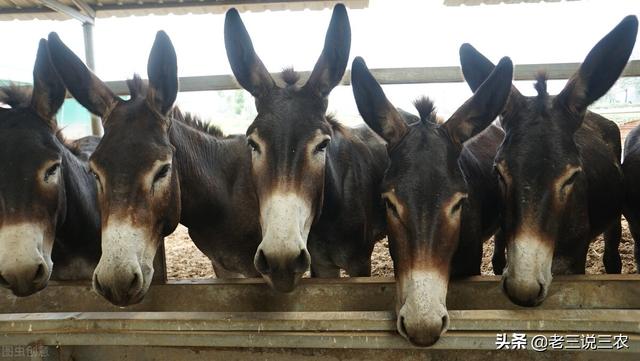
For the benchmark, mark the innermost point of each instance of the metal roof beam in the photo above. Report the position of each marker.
(85, 8)
(69, 11)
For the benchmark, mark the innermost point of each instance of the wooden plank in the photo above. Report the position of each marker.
(346, 294)
(110, 353)
(369, 330)
(593, 321)
(421, 75)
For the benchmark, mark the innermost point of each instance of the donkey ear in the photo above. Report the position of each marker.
(247, 67)
(48, 90)
(600, 69)
(475, 66)
(332, 63)
(162, 70)
(379, 114)
(85, 86)
(484, 106)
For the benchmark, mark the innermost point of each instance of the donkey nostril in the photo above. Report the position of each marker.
(97, 286)
(261, 263)
(302, 262)
(402, 327)
(133, 286)
(504, 286)
(41, 273)
(541, 292)
(445, 322)
(3, 282)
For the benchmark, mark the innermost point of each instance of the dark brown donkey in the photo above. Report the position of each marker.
(48, 210)
(154, 168)
(631, 171)
(317, 182)
(559, 169)
(442, 199)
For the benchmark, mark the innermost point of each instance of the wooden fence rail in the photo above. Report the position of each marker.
(322, 319)
(443, 74)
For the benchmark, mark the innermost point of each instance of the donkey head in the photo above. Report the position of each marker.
(539, 167)
(32, 193)
(290, 139)
(425, 191)
(138, 186)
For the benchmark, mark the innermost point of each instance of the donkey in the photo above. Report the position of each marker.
(48, 210)
(156, 167)
(441, 197)
(631, 171)
(317, 182)
(559, 169)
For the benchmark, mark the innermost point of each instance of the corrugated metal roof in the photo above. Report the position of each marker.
(496, 2)
(34, 9)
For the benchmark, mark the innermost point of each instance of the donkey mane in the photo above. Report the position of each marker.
(196, 122)
(137, 87)
(426, 109)
(19, 96)
(289, 76)
(541, 84)
(541, 87)
(16, 96)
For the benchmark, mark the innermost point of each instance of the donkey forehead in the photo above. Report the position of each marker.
(536, 116)
(538, 146)
(25, 143)
(426, 155)
(130, 156)
(534, 167)
(133, 128)
(283, 130)
(290, 105)
(133, 111)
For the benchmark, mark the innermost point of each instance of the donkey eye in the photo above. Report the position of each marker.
(51, 171)
(568, 184)
(162, 173)
(322, 146)
(503, 182)
(458, 206)
(254, 146)
(572, 179)
(97, 178)
(391, 207)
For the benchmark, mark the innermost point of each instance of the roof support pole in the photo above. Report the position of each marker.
(87, 27)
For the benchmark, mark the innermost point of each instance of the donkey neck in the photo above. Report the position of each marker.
(353, 172)
(210, 168)
(79, 235)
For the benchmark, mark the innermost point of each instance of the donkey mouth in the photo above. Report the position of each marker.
(531, 300)
(122, 301)
(283, 282)
(132, 296)
(24, 292)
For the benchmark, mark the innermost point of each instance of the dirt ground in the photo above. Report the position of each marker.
(185, 261)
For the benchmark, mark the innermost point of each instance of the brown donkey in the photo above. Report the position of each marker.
(155, 168)
(48, 210)
(559, 169)
(442, 198)
(317, 182)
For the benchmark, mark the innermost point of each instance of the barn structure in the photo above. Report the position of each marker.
(342, 319)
